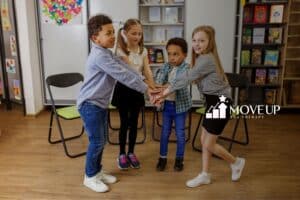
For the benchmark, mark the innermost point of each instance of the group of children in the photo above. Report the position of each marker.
(128, 74)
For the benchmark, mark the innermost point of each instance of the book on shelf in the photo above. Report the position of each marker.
(151, 55)
(248, 14)
(159, 34)
(173, 32)
(247, 36)
(270, 96)
(260, 14)
(247, 73)
(252, 1)
(273, 76)
(258, 35)
(147, 33)
(271, 57)
(276, 13)
(159, 56)
(275, 35)
(171, 15)
(260, 76)
(245, 57)
(154, 14)
(256, 56)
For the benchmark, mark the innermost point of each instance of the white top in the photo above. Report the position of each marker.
(135, 58)
(171, 77)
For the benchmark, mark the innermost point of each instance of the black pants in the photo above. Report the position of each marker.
(129, 120)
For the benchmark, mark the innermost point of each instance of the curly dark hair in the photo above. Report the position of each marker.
(96, 22)
(178, 42)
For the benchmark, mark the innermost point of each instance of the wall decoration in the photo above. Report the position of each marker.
(6, 25)
(13, 45)
(61, 11)
(10, 65)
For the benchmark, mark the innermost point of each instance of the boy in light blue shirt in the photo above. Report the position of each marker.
(103, 69)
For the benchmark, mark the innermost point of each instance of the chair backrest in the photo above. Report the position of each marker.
(64, 80)
(237, 80)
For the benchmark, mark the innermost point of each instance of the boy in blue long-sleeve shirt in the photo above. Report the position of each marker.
(103, 69)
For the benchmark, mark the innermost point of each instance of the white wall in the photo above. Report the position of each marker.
(29, 55)
(221, 15)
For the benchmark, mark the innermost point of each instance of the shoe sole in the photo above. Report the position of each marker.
(241, 171)
(86, 185)
(194, 186)
(121, 168)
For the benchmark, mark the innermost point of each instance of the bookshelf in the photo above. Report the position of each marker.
(262, 47)
(161, 20)
(290, 97)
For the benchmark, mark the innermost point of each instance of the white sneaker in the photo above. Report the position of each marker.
(95, 184)
(106, 178)
(237, 168)
(201, 179)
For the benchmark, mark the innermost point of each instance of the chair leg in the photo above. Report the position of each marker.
(232, 139)
(155, 120)
(143, 126)
(196, 134)
(63, 139)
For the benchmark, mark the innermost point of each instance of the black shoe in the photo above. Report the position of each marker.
(178, 166)
(161, 165)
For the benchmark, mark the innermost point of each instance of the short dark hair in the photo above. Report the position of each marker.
(178, 42)
(96, 22)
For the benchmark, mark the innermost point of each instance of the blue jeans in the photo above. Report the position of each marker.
(95, 124)
(170, 115)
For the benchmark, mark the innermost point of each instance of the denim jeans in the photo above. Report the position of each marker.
(95, 124)
(170, 115)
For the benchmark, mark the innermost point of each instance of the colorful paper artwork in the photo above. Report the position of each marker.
(10, 65)
(60, 11)
(13, 45)
(6, 25)
(17, 89)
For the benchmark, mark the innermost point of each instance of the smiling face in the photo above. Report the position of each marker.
(134, 34)
(106, 37)
(200, 42)
(175, 55)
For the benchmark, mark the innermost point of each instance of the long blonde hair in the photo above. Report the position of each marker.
(121, 43)
(211, 48)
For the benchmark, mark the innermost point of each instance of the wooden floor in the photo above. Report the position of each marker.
(30, 168)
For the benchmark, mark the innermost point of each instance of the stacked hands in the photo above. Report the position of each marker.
(157, 94)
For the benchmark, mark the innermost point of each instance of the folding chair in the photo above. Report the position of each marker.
(67, 113)
(142, 126)
(236, 81)
(156, 121)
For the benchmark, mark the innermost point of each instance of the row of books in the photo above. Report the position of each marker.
(259, 57)
(260, 14)
(155, 55)
(258, 35)
(262, 76)
(269, 96)
(161, 34)
(169, 15)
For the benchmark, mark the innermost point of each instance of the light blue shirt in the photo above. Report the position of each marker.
(102, 71)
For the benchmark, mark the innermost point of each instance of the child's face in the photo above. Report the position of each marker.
(106, 37)
(200, 42)
(134, 34)
(175, 55)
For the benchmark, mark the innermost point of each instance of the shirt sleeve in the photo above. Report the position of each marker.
(204, 66)
(121, 72)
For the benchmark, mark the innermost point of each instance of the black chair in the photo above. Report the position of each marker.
(156, 121)
(141, 126)
(67, 113)
(236, 81)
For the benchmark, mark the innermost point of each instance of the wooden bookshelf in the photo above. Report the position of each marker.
(290, 86)
(265, 50)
